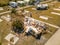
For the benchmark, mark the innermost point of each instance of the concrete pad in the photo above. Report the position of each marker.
(34, 8)
(1, 20)
(26, 11)
(1, 8)
(57, 9)
(44, 17)
(7, 18)
(55, 13)
(21, 2)
(9, 36)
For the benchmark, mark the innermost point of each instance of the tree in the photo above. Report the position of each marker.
(18, 26)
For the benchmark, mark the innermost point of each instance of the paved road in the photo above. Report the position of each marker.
(55, 39)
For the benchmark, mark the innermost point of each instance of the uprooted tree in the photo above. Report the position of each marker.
(18, 26)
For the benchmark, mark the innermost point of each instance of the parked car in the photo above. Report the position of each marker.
(42, 7)
(13, 4)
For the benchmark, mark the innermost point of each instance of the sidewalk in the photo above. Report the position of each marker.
(55, 39)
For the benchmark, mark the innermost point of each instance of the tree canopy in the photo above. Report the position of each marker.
(18, 26)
